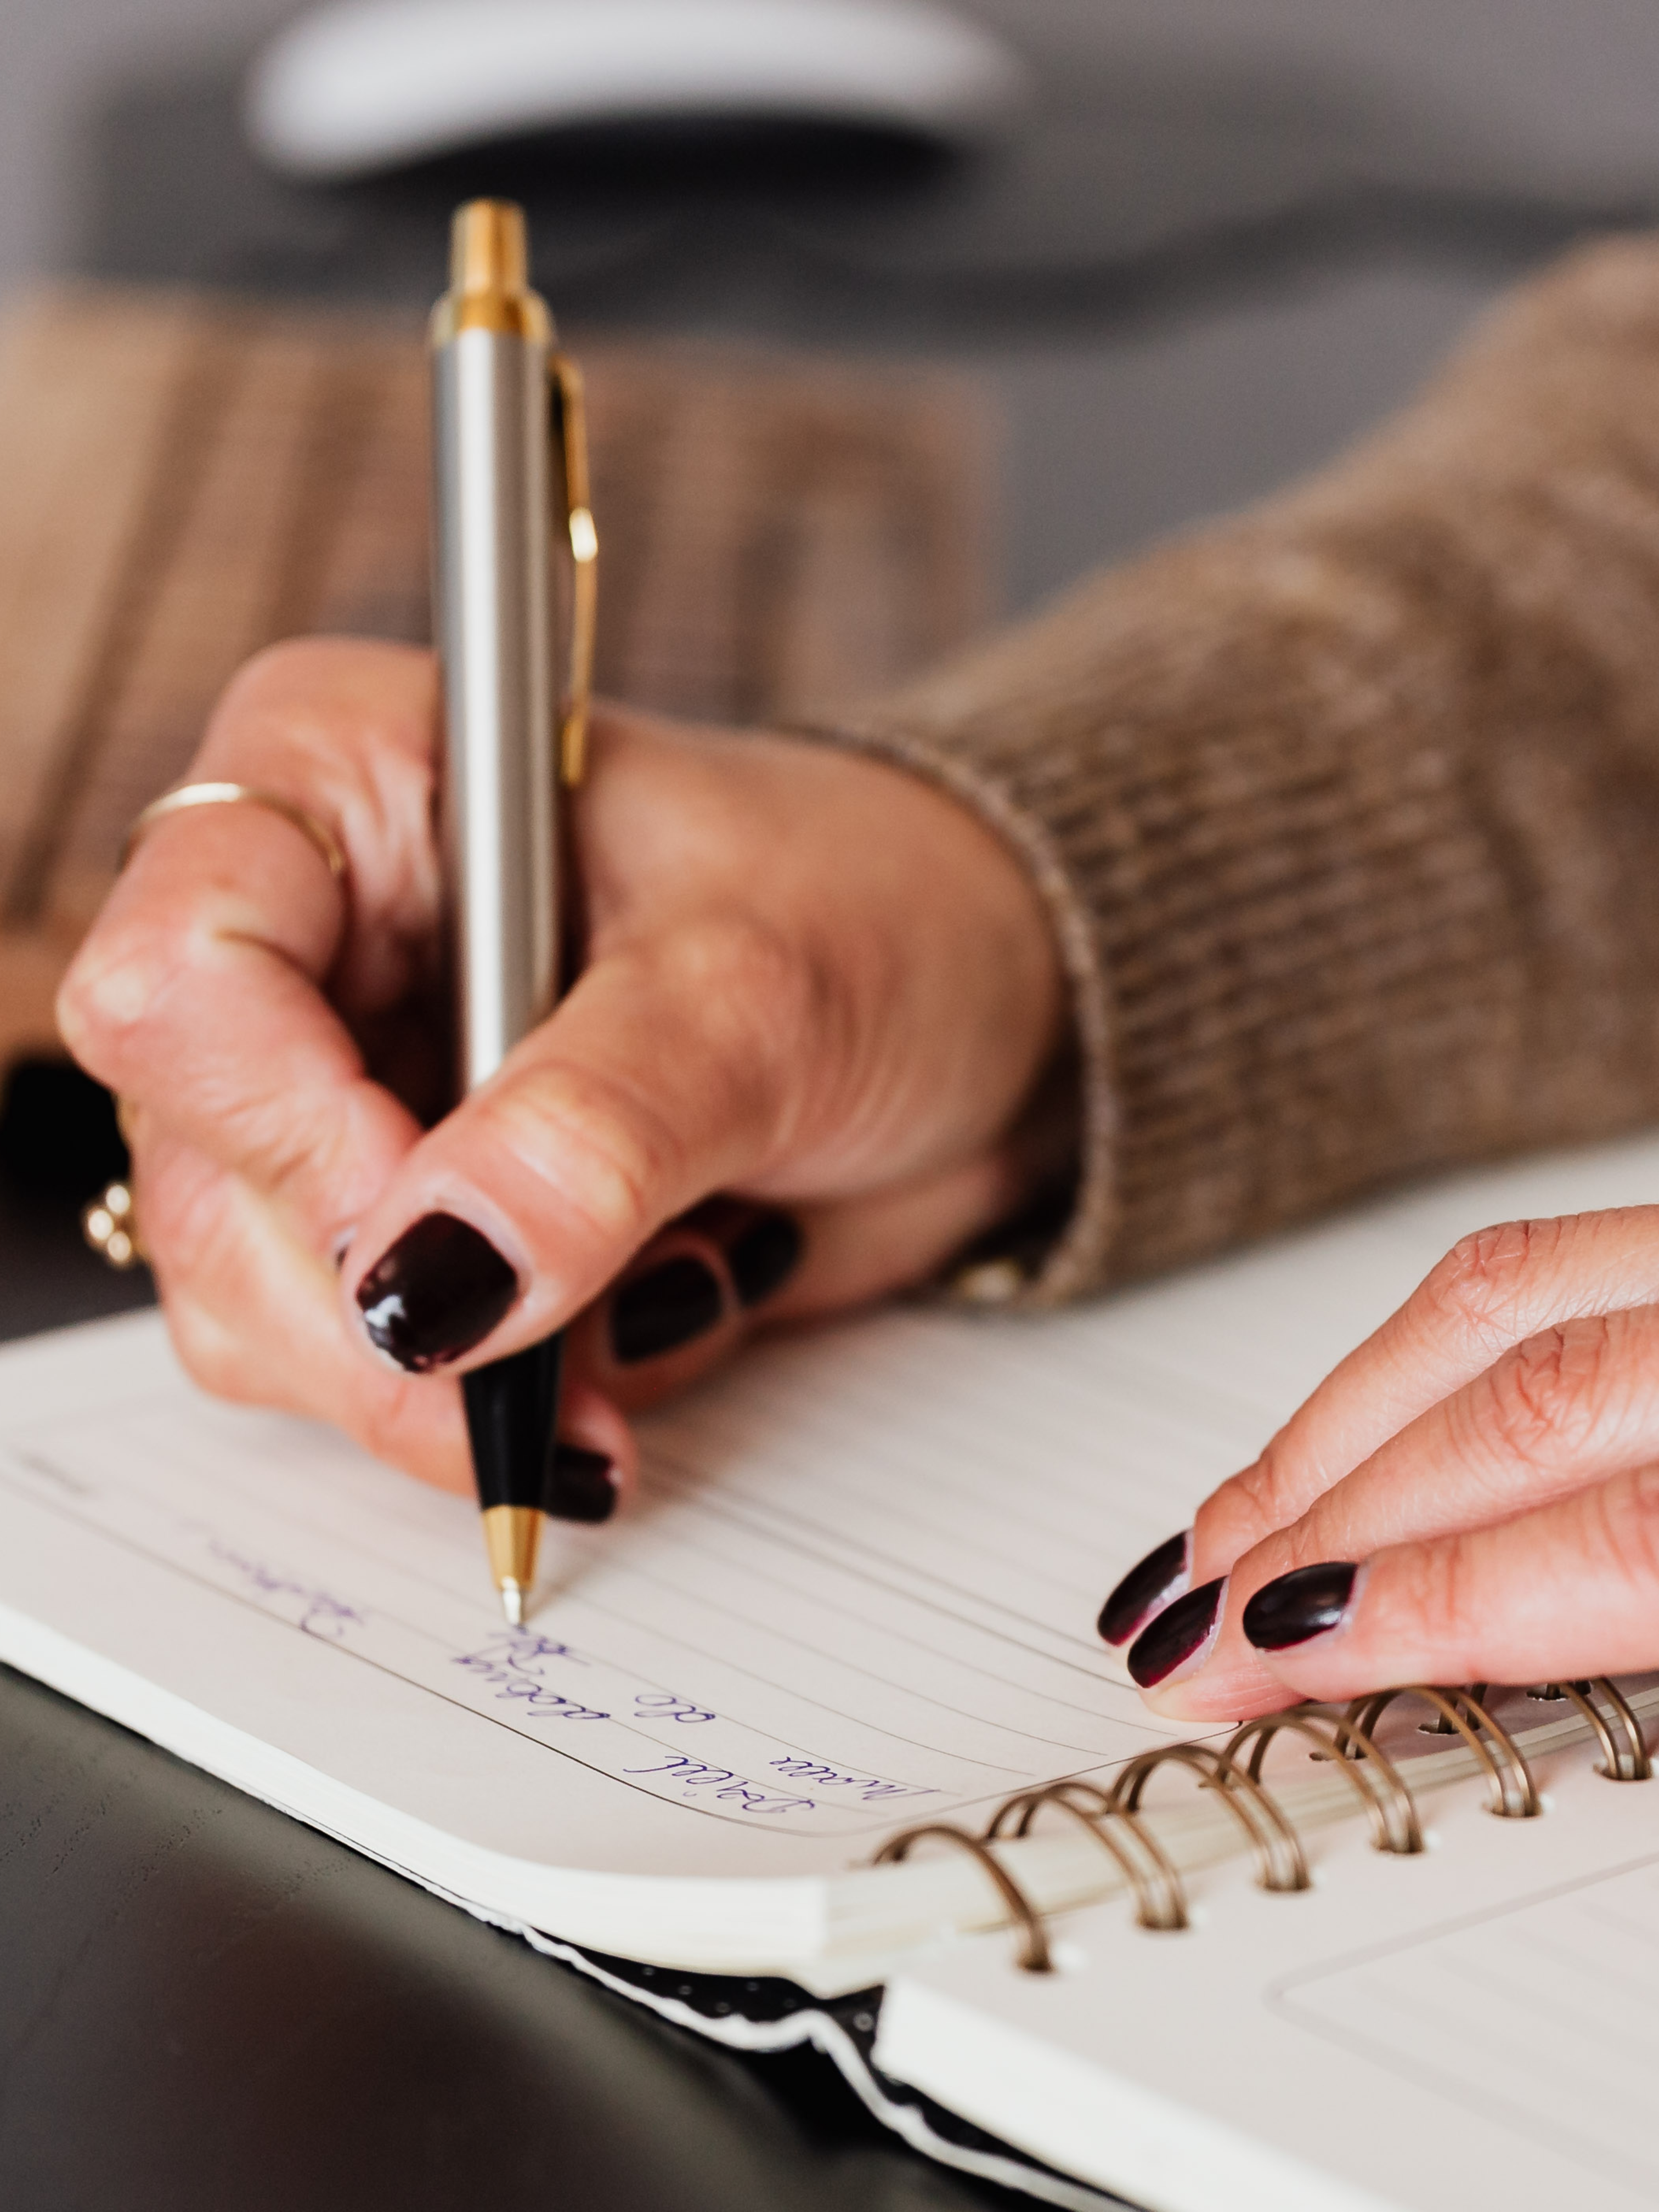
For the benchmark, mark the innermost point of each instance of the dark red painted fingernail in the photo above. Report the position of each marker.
(1179, 1632)
(1308, 1601)
(1161, 1575)
(763, 1254)
(660, 1311)
(435, 1293)
(582, 1484)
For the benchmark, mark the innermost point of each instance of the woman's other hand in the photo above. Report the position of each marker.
(816, 997)
(1470, 1496)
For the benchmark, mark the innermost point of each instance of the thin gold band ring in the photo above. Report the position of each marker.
(317, 834)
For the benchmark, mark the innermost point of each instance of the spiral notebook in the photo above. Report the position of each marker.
(857, 1598)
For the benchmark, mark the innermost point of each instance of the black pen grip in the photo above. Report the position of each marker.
(512, 1418)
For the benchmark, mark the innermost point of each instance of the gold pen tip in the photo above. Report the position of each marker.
(487, 248)
(489, 277)
(512, 1538)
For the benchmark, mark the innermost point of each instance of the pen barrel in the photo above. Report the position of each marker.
(493, 617)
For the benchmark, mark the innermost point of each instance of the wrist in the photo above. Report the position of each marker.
(1059, 1127)
(978, 937)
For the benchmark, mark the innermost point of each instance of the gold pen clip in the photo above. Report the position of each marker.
(569, 426)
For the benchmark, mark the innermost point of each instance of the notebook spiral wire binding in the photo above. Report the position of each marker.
(1347, 1739)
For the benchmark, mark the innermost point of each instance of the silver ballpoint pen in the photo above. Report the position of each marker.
(507, 413)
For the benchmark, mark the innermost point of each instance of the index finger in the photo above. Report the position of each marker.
(1492, 1289)
(198, 992)
(1575, 1405)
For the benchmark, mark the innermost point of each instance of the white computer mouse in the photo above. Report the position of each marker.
(372, 84)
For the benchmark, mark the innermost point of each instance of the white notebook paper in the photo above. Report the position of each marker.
(859, 1592)
(1478, 2027)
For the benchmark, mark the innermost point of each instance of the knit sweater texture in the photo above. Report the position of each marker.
(1347, 811)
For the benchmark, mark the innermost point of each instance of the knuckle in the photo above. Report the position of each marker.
(287, 678)
(112, 987)
(724, 951)
(1434, 1592)
(732, 1006)
(346, 722)
(1262, 1497)
(754, 992)
(299, 1155)
(290, 662)
(1549, 1391)
(764, 1010)
(1481, 1282)
(605, 1151)
(1265, 1488)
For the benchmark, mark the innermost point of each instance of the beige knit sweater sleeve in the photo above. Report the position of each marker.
(1346, 811)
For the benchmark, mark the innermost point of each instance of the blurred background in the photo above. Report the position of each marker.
(1224, 234)
(1149, 258)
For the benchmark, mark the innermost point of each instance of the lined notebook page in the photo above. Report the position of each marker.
(860, 1588)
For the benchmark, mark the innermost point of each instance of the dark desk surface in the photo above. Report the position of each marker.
(205, 2005)
(202, 2003)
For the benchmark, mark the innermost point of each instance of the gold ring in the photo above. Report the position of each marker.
(321, 838)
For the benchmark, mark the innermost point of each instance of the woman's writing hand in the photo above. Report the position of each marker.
(1470, 1496)
(810, 984)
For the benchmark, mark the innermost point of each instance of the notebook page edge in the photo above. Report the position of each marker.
(1059, 2109)
(578, 1905)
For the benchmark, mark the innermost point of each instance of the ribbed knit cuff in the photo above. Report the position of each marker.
(1346, 813)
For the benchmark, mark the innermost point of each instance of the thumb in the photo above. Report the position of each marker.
(670, 1070)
